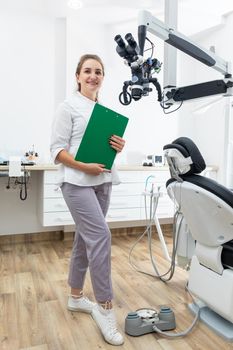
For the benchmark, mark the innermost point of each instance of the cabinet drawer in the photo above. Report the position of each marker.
(156, 176)
(125, 202)
(123, 215)
(130, 176)
(55, 204)
(52, 191)
(127, 189)
(56, 219)
(163, 201)
(50, 177)
(160, 213)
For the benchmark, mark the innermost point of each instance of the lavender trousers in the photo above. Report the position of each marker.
(92, 242)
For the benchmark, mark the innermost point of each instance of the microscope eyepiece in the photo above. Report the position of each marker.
(119, 41)
(129, 38)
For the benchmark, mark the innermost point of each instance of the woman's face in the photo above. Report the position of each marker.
(90, 78)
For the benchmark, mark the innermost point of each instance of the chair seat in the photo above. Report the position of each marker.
(209, 185)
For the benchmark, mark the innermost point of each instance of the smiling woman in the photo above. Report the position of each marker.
(86, 188)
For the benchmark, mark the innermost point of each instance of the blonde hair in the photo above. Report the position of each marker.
(83, 59)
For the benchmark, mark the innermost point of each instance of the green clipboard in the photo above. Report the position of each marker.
(94, 146)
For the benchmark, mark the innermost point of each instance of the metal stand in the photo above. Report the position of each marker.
(161, 238)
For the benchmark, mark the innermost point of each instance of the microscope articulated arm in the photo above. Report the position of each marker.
(147, 22)
(142, 69)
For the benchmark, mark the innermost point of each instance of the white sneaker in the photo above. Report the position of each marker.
(106, 321)
(82, 304)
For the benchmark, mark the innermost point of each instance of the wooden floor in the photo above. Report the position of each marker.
(33, 296)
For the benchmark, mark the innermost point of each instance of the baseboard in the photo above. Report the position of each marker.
(60, 235)
(31, 237)
(131, 231)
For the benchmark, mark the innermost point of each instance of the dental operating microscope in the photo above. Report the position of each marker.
(142, 69)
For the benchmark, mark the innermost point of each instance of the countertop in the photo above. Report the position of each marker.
(50, 166)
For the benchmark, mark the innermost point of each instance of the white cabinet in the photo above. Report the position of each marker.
(54, 209)
(127, 200)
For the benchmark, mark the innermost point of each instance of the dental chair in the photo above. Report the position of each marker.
(205, 240)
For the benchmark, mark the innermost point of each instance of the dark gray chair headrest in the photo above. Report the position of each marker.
(186, 156)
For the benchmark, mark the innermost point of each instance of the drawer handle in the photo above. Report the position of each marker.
(66, 220)
(116, 216)
(120, 191)
(59, 205)
(119, 203)
(56, 189)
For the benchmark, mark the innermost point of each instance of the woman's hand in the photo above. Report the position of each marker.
(117, 143)
(93, 168)
(89, 168)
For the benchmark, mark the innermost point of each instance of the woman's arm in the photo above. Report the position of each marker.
(89, 168)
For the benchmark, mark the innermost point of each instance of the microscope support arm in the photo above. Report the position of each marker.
(146, 21)
(173, 94)
(142, 69)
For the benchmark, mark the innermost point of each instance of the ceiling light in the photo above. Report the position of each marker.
(75, 4)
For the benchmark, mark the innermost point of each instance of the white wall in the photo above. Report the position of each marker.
(27, 85)
(60, 43)
(206, 125)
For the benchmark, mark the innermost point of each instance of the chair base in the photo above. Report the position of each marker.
(214, 321)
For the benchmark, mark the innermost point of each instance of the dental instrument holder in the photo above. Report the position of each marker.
(155, 195)
(15, 167)
(136, 324)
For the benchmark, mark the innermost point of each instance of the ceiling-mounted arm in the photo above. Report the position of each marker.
(172, 94)
(142, 69)
(146, 21)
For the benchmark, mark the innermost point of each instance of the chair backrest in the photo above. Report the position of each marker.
(206, 205)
